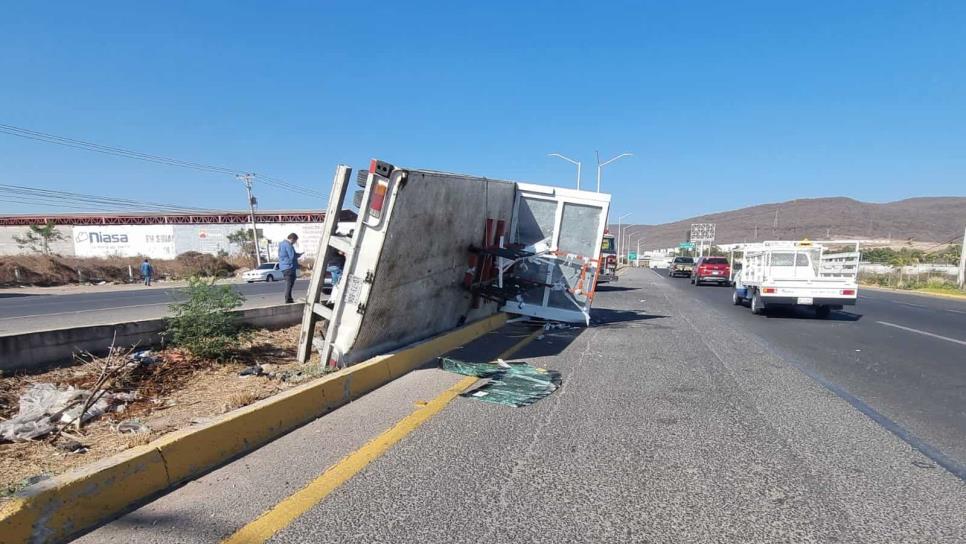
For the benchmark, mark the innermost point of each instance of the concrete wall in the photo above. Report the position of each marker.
(163, 241)
(8, 246)
(42, 349)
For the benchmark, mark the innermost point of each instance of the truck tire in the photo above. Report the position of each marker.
(736, 299)
(823, 312)
(757, 307)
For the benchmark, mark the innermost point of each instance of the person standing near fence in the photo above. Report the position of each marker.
(147, 271)
(288, 263)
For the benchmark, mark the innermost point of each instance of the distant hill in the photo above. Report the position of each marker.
(926, 219)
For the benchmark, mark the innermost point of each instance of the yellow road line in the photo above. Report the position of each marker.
(287, 511)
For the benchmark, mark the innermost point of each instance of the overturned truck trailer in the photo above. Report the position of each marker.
(432, 250)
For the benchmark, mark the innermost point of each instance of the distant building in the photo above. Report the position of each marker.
(163, 236)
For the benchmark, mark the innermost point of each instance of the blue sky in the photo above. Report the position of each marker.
(724, 104)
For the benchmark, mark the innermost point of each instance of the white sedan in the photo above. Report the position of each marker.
(264, 272)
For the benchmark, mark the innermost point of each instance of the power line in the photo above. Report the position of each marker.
(32, 195)
(147, 157)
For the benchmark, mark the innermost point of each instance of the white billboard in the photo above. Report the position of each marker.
(156, 241)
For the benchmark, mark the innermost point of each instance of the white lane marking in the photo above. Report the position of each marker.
(908, 304)
(956, 311)
(917, 331)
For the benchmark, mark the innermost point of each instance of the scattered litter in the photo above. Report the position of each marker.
(125, 397)
(540, 337)
(556, 325)
(858, 350)
(511, 384)
(42, 406)
(71, 446)
(254, 370)
(200, 420)
(132, 426)
(144, 357)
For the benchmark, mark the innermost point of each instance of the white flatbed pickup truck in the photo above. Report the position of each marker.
(786, 273)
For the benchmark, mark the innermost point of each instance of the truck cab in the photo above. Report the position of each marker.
(608, 259)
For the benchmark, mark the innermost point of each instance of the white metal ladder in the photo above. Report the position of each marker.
(331, 242)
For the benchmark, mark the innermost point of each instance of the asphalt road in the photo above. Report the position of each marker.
(902, 356)
(26, 312)
(673, 424)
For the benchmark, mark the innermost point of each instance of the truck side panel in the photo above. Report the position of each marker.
(415, 289)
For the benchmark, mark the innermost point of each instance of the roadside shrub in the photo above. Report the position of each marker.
(194, 263)
(937, 282)
(203, 324)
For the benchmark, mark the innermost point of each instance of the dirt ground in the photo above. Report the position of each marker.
(174, 393)
(45, 271)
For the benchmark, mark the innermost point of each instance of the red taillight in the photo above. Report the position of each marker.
(848, 292)
(377, 198)
(769, 290)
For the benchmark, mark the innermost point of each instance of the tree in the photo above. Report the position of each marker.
(243, 239)
(39, 237)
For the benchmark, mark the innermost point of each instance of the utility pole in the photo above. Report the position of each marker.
(962, 262)
(252, 202)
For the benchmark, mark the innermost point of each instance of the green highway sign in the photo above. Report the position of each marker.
(686, 245)
(632, 256)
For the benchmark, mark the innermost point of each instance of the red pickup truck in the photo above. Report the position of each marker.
(712, 269)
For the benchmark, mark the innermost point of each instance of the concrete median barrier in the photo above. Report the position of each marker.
(40, 349)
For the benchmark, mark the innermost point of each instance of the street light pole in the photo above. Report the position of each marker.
(627, 237)
(605, 163)
(559, 156)
(619, 220)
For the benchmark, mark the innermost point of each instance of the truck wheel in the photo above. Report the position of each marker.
(757, 307)
(736, 299)
(823, 312)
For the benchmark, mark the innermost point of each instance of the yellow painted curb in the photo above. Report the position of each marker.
(56, 509)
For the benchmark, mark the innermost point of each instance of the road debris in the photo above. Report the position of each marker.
(511, 384)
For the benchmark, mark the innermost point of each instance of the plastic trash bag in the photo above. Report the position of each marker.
(43, 406)
(514, 384)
